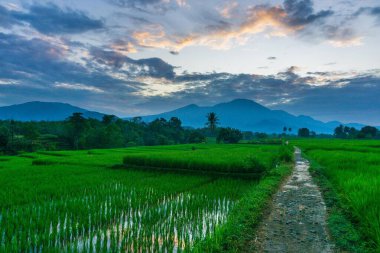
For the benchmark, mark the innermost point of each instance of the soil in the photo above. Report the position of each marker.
(297, 219)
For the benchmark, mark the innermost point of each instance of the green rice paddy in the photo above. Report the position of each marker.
(88, 201)
(353, 169)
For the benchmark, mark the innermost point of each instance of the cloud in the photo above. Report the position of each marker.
(301, 12)
(150, 6)
(229, 10)
(6, 19)
(150, 67)
(114, 83)
(51, 19)
(78, 86)
(372, 11)
(341, 36)
(218, 32)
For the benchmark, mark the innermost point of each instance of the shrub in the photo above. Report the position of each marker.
(254, 165)
(285, 154)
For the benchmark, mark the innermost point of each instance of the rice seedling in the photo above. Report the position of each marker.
(74, 202)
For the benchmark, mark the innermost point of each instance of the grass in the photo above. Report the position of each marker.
(351, 169)
(217, 158)
(75, 201)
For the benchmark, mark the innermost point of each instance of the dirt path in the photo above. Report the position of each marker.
(297, 221)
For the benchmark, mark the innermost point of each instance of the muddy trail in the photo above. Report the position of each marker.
(297, 220)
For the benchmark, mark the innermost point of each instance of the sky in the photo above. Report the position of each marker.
(139, 57)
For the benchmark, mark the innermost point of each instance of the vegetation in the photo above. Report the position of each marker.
(78, 132)
(212, 121)
(229, 135)
(351, 168)
(79, 201)
(207, 158)
(367, 132)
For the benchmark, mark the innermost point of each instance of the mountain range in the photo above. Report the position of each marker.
(248, 115)
(44, 111)
(242, 114)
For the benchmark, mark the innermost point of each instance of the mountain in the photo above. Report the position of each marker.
(43, 111)
(247, 115)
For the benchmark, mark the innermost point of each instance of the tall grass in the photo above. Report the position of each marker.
(353, 168)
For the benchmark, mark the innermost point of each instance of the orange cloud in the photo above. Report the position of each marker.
(346, 42)
(258, 20)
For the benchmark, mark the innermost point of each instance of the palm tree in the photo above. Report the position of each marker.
(212, 121)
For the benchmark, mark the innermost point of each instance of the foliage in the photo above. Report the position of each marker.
(303, 132)
(366, 132)
(78, 132)
(229, 135)
(4, 138)
(285, 154)
(212, 121)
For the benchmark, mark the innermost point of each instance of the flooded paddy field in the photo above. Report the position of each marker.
(79, 202)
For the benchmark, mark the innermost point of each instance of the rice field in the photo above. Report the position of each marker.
(353, 168)
(85, 201)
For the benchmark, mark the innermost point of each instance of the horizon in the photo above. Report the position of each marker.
(140, 57)
(199, 106)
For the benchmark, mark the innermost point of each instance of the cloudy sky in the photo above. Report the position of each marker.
(136, 57)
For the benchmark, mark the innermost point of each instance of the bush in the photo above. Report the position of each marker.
(285, 154)
(254, 165)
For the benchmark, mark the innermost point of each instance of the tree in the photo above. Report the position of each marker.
(77, 126)
(175, 123)
(285, 129)
(369, 131)
(229, 135)
(108, 119)
(212, 121)
(339, 132)
(303, 132)
(4, 138)
(196, 137)
(30, 131)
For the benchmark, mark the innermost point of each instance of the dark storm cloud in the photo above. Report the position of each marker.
(345, 98)
(152, 67)
(301, 12)
(51, 19)
(356, 101)
(37, 63)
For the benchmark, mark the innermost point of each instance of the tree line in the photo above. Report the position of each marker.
(78, 132)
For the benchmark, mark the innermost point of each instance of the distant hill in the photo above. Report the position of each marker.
(44, 111)
(247, 115)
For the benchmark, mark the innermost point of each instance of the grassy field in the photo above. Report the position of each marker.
(352, 171)
(88, 201)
